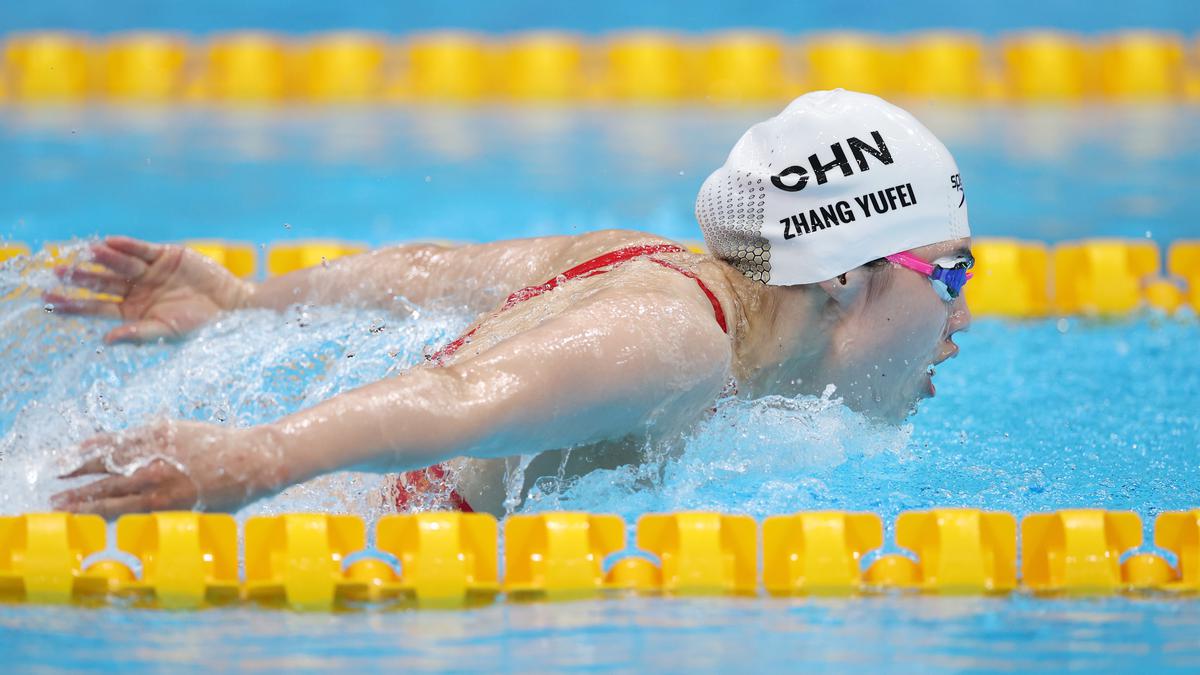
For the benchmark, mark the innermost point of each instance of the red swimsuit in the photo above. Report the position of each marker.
(410, 486)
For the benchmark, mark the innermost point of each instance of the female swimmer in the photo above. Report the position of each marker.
(840, 246)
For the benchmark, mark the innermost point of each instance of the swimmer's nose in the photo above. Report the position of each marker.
(948, 354)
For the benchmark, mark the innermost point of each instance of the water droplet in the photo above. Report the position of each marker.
(287, 226)
(49, 308)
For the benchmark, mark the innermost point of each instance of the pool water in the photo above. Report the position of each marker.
(1032, 416)
(380, 174)
(635, 635)
(306, 16)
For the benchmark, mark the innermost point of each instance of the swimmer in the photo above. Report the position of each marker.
(839, 248)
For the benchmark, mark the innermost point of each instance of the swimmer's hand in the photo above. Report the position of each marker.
(161, 290)
(174, 465)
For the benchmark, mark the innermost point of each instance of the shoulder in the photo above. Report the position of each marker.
(663, 316)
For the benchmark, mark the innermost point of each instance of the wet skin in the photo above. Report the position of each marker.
(603, 365)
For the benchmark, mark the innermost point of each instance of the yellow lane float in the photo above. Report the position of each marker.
(1179, 533)
(450, 559)
(146, 67)
(702, 553)
(244, 67)
(647, 66)
(258, 67)
(1142, 66)
(448, 66)
(1102, 277)
(42, 554)
(239, 258)
(296, 559)
(742, 67)
(1164, 295)
(48, 67)
(188, 559)
(341, 68)
(961, 550)
(288, 257)
(943, 66)
(854, 61)
(559, 555)
(1047, 66)
(1011, 279)
(542, 66)
(447, 559)
(818, 552)
(1183, 262)
(1077, 550)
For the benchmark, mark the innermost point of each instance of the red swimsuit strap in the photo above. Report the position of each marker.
(598, 265)
(712, 297)
(590, 268)
(426, 480)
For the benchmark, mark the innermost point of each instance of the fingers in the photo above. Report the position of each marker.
(126, 266)
(145, 251)
(84, 306)
(113, 486)
(155, 487)
(146, 330)
(111, 506)
(100, 282)
(116, 506)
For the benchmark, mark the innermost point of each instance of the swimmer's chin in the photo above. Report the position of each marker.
(899, 413)
(892, 409)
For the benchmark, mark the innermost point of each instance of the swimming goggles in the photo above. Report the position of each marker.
(948, 275)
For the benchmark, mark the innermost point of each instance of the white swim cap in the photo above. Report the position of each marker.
(836, 180)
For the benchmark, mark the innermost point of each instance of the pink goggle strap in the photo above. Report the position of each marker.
(915, 264)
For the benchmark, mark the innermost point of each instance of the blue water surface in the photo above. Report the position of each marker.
(696, 15)
(383, 174)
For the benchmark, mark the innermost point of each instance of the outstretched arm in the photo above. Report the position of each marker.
(598, 372)
(167, 290)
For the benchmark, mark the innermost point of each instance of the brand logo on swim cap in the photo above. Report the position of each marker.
(859, 148)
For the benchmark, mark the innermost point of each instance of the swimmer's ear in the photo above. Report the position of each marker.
(847, 289)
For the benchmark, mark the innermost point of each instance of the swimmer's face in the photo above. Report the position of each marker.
(897, 332)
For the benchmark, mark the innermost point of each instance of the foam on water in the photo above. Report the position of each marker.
(247, 368)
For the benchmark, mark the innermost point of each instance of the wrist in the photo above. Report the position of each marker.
(242, 294)
(276, 464)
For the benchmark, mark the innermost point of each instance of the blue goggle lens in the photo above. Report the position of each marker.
(952, 280)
